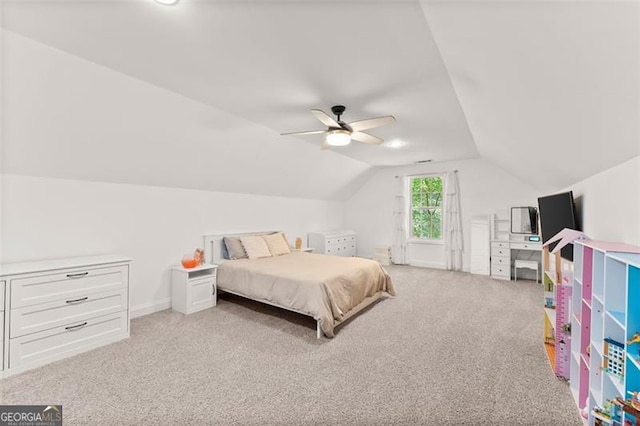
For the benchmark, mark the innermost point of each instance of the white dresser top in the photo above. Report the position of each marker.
(53, 264)
(334, 233)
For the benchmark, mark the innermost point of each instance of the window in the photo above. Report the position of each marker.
(426, 207)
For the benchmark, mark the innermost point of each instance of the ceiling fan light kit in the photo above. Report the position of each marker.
(339, 133)
(338, 137)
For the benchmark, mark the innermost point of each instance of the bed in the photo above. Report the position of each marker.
(329, 289)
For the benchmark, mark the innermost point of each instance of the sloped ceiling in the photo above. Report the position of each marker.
(550, 89)
(539, 88)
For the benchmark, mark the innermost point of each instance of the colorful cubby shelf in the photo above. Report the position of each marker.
(605, 348)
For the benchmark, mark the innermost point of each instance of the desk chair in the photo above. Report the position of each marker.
(525, 264)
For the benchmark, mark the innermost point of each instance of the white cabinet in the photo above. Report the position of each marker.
(480, 246)
(193, 289)
(57, 308)
(336, 243)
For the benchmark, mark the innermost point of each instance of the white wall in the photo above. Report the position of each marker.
(484, 188)
(47, 218)
(610, 203)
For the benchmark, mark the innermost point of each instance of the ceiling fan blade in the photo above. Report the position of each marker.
(372, 123)
(366, 138)
(311, 132)
(325, 119)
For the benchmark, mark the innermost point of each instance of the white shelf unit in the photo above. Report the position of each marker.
(606, 314)
(500, 225)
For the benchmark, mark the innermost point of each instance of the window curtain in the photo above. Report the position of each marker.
(452, 223)
(399, 248)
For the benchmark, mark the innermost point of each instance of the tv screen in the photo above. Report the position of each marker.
(557, 212)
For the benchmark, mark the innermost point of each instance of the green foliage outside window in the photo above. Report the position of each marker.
(426, 207)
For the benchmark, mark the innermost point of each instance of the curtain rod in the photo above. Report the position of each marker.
(424, 174)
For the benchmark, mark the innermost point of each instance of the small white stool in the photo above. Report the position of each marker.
(525, 264)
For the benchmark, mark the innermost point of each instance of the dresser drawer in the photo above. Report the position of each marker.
(497, 251)
(55, 343)
(526, 246)
(34, 318)
(500, 244)
(498, 260)
(500, 270)
(66, 285)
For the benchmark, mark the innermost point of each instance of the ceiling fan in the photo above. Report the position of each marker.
(340, 133)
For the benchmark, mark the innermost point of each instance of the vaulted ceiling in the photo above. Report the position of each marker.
(540, 88)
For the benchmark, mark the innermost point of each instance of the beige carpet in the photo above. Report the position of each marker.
(451, 348)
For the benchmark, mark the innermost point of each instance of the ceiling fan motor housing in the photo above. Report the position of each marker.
(338, 110)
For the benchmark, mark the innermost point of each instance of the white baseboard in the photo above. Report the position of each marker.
(423, 264)
(433, 265)
(149, 308)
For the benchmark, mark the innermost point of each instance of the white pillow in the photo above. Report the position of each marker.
(255, 247)
(277, 244)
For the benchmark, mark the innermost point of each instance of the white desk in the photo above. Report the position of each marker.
(503, 253)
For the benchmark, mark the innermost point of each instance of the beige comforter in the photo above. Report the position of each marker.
(328, 288)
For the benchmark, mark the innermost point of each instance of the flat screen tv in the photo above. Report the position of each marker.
(557, 212)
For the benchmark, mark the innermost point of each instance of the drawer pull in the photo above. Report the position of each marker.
(80, 275)
(74, 327)
(78, 300)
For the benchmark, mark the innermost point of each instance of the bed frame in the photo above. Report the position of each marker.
(213, 254)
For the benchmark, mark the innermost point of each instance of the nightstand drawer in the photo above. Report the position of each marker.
(500, 244)
(31, 319)
(201, 294)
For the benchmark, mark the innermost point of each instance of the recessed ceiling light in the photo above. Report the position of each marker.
(396, 143)
(167, 2)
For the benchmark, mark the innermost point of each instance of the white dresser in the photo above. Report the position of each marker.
(57, 308)
(500, 260)
(336, 243)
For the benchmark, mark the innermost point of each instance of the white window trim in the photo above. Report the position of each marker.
(411, 239)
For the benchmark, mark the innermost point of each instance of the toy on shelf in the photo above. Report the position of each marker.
(633, 340)
(630, 406)
(606, 412)
(613, 362)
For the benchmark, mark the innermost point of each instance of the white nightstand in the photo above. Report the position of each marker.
(193, 289)
(304, 249)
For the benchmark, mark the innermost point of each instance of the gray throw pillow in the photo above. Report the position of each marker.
(234, 248)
